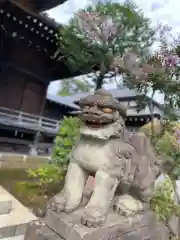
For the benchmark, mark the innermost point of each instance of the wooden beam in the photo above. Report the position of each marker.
(25, 72)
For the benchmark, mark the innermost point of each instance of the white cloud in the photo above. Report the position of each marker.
(165, 11)
(65, 11)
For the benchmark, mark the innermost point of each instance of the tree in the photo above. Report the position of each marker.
(158, 72)
(167, 146)
(163, 201)
(74, 85)
(96, 38)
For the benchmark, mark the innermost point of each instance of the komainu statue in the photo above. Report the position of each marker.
(124, 166)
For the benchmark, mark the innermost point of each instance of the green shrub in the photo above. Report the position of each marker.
(168, 140)
(163, 202)
(49, 176)
(45, 175)
(42, 179)
(68, 133)
(167, 144)
(148, 130)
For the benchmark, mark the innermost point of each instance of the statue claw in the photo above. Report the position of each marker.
(70, 207)
(127, 206)
(93, 217)
(124, 212)
(58, 202)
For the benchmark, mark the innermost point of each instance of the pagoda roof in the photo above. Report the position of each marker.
(43, 5)
(14, 6)
(37, 30)
(40, 5)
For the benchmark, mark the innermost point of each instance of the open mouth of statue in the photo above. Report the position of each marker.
(95, 124)
(95, 120)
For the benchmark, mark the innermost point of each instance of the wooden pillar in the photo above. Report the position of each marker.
(34, 147)
(38, 135)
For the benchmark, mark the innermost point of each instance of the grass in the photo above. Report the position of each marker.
(17, 161)
(17, 182)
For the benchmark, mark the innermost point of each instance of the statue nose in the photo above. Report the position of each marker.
(94, 110)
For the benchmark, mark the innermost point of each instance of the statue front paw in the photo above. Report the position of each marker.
(94, 216)
(127, 206)
(58, 202)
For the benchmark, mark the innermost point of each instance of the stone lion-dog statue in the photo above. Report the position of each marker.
(123, 164)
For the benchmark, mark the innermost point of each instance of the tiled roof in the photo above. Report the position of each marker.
(117, 93)
(62, 101)
(121, 93)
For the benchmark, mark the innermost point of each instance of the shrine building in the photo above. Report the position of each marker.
(28, 42)
(28, 63)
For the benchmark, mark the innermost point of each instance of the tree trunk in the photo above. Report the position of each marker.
(151, 108)
(162, 119)
(99, 82)
(100, 78)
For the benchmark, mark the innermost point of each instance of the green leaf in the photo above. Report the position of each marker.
(82, 55)
(68, 133)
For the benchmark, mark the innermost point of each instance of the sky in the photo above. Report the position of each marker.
(165, 11)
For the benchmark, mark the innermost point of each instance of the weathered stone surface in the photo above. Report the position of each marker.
(20, 237)
(31, 232)
(46, 233)
(40, 232)
(124, 167)
(5, 202)
(7, 231)
(12, 229)
(5, 205)
(14, 223)
(68, 227)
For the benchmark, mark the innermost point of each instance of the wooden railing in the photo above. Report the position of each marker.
(28, 121)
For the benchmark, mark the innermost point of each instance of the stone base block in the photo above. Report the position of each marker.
(62, 226)
(35, 232)
(15, 222)
(5, 202)
(5, 205)
(20, 237)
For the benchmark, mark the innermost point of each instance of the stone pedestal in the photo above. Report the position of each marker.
(14, 217)
(62, 226)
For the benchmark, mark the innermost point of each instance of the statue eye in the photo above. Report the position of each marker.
(107, 110)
